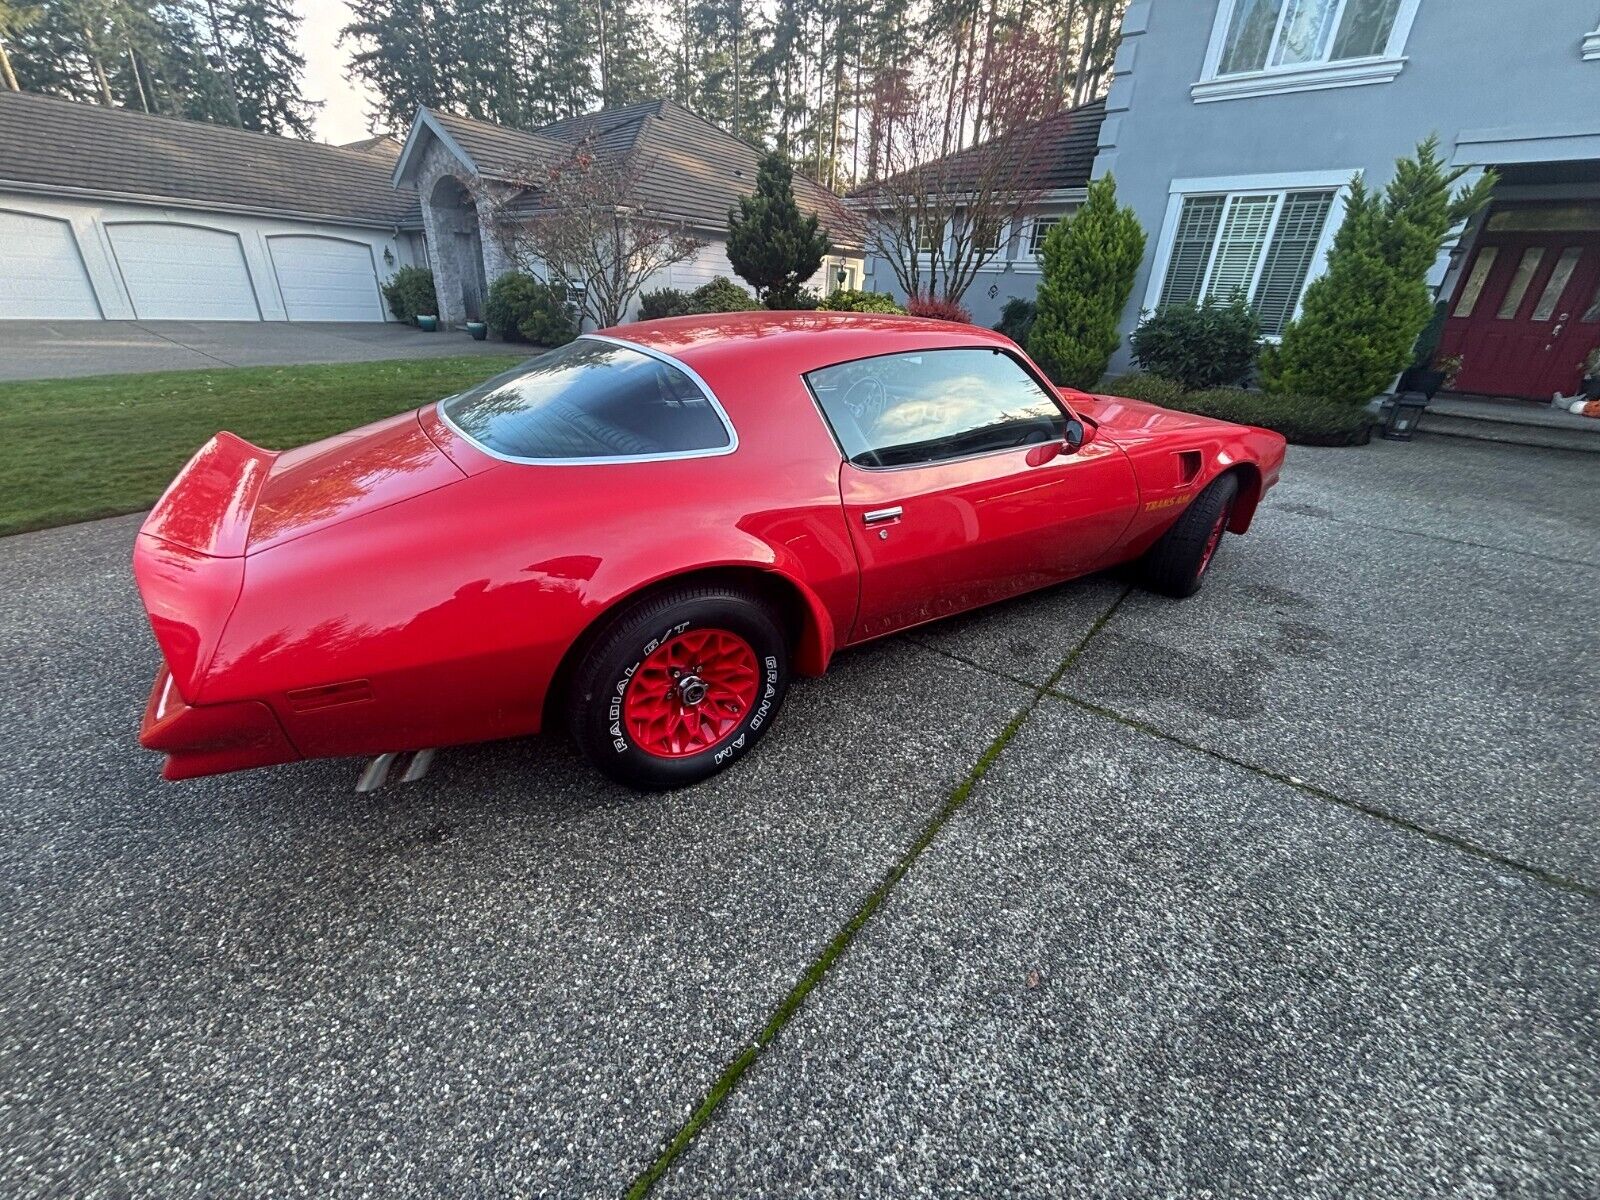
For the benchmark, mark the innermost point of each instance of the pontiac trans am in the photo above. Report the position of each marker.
(643, 535)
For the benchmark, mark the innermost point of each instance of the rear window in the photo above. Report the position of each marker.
(590, 399)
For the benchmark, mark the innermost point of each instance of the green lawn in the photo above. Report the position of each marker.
(74, 449)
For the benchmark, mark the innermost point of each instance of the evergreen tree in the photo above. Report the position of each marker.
(1360, 319)
(1090, 260)
(266, 68)
(771, 246)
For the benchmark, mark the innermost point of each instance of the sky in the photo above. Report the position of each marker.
(343, 116)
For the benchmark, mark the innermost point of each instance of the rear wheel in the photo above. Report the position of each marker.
(1177, 564)
(680, 686)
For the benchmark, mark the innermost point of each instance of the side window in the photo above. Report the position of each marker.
(929, 406)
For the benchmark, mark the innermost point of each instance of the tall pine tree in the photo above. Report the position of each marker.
(771, 246)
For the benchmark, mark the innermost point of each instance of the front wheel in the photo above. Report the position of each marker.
(1177, 564)
(679, 687)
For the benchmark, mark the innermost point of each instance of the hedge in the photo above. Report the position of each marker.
(1304, 420)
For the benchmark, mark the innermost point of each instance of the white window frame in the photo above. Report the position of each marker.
(1301, 77)
(1336, 181)
(1591, 46)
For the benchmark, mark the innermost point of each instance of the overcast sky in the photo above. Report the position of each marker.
(343, 117)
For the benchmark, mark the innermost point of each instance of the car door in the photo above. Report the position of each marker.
(955, 485)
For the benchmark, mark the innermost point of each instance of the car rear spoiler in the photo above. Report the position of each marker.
(189, 556)
(208, 507)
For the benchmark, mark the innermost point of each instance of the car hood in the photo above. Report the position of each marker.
(344, 476)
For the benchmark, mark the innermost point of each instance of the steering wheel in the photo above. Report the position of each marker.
(867, 408)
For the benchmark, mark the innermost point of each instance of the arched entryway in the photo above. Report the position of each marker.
(456, 250)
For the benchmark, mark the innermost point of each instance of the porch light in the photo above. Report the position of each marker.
(1405, 414)
(840, 275)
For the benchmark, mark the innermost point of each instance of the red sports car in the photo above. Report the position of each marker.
(643, 533)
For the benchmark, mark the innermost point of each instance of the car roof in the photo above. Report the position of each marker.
(797, 342)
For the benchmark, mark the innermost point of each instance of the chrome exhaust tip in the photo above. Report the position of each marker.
(376, 773)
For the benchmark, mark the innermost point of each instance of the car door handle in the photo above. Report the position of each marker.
(878, 516)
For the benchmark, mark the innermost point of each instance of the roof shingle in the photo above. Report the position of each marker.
(51, 143)
(1064, 145)
(699, 169)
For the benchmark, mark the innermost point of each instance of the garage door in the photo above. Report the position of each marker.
(41, 271)
(183, 272)
(325, 279)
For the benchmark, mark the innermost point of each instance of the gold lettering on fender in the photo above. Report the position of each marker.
(1154, 505)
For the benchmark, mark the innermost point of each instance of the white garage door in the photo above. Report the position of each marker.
(183, 272)
(326, 279)
(41, 271)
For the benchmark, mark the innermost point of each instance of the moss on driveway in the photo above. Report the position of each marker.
(75, 449)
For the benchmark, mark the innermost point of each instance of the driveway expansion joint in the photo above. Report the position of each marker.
(1460, 844)
(1439, 537)
(814, 974)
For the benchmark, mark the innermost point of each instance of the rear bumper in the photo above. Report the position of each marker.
(208, 739)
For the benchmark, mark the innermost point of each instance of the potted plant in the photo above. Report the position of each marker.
(427, 322)
(1591, 375)
(1430, 379)
(478, 329)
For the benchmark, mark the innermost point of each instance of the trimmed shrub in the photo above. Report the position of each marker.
(1090, 259)
(1304, 420)
(770, 245)
(1016, 319)
(805, 300)
(1200, 345)
(937, 308)
(664, 302)
(521, 308)
(721, 295)
(410, 292)
(1360, 321)
(854, 300)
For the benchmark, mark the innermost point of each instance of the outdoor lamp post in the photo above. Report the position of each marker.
(1405, 414)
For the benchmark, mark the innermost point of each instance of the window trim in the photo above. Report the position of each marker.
(1591, 46)
(618, 459)
(1300, 77)
(1049, 389)
(1181, 189)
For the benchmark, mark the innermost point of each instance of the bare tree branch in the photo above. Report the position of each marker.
(938, 220)
(584, 219)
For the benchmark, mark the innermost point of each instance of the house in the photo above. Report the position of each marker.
(109, 214)
(1060, 152)
(696, 172)
(1233, 128)
(118, 215)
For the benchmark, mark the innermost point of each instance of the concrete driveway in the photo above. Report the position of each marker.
(1292, 889)
(58, 349)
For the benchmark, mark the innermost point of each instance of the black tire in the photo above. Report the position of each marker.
(1177, 564)
(600, 705)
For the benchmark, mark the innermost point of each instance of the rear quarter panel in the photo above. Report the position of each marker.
(454, 609)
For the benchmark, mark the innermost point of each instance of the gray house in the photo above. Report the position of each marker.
(109, 214)
(1064, 147)
(1234, 126)
(697, 171)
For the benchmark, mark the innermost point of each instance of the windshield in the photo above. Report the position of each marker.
(590, 399)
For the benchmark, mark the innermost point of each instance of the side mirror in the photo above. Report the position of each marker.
(1077, 434)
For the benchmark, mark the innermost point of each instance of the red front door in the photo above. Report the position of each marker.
(1526, 313)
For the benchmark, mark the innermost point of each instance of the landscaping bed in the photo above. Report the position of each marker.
(1305, 421)
(76, 449)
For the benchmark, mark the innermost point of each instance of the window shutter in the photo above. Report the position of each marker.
(1240, 245)
(1191, 249)
(1289, 260)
